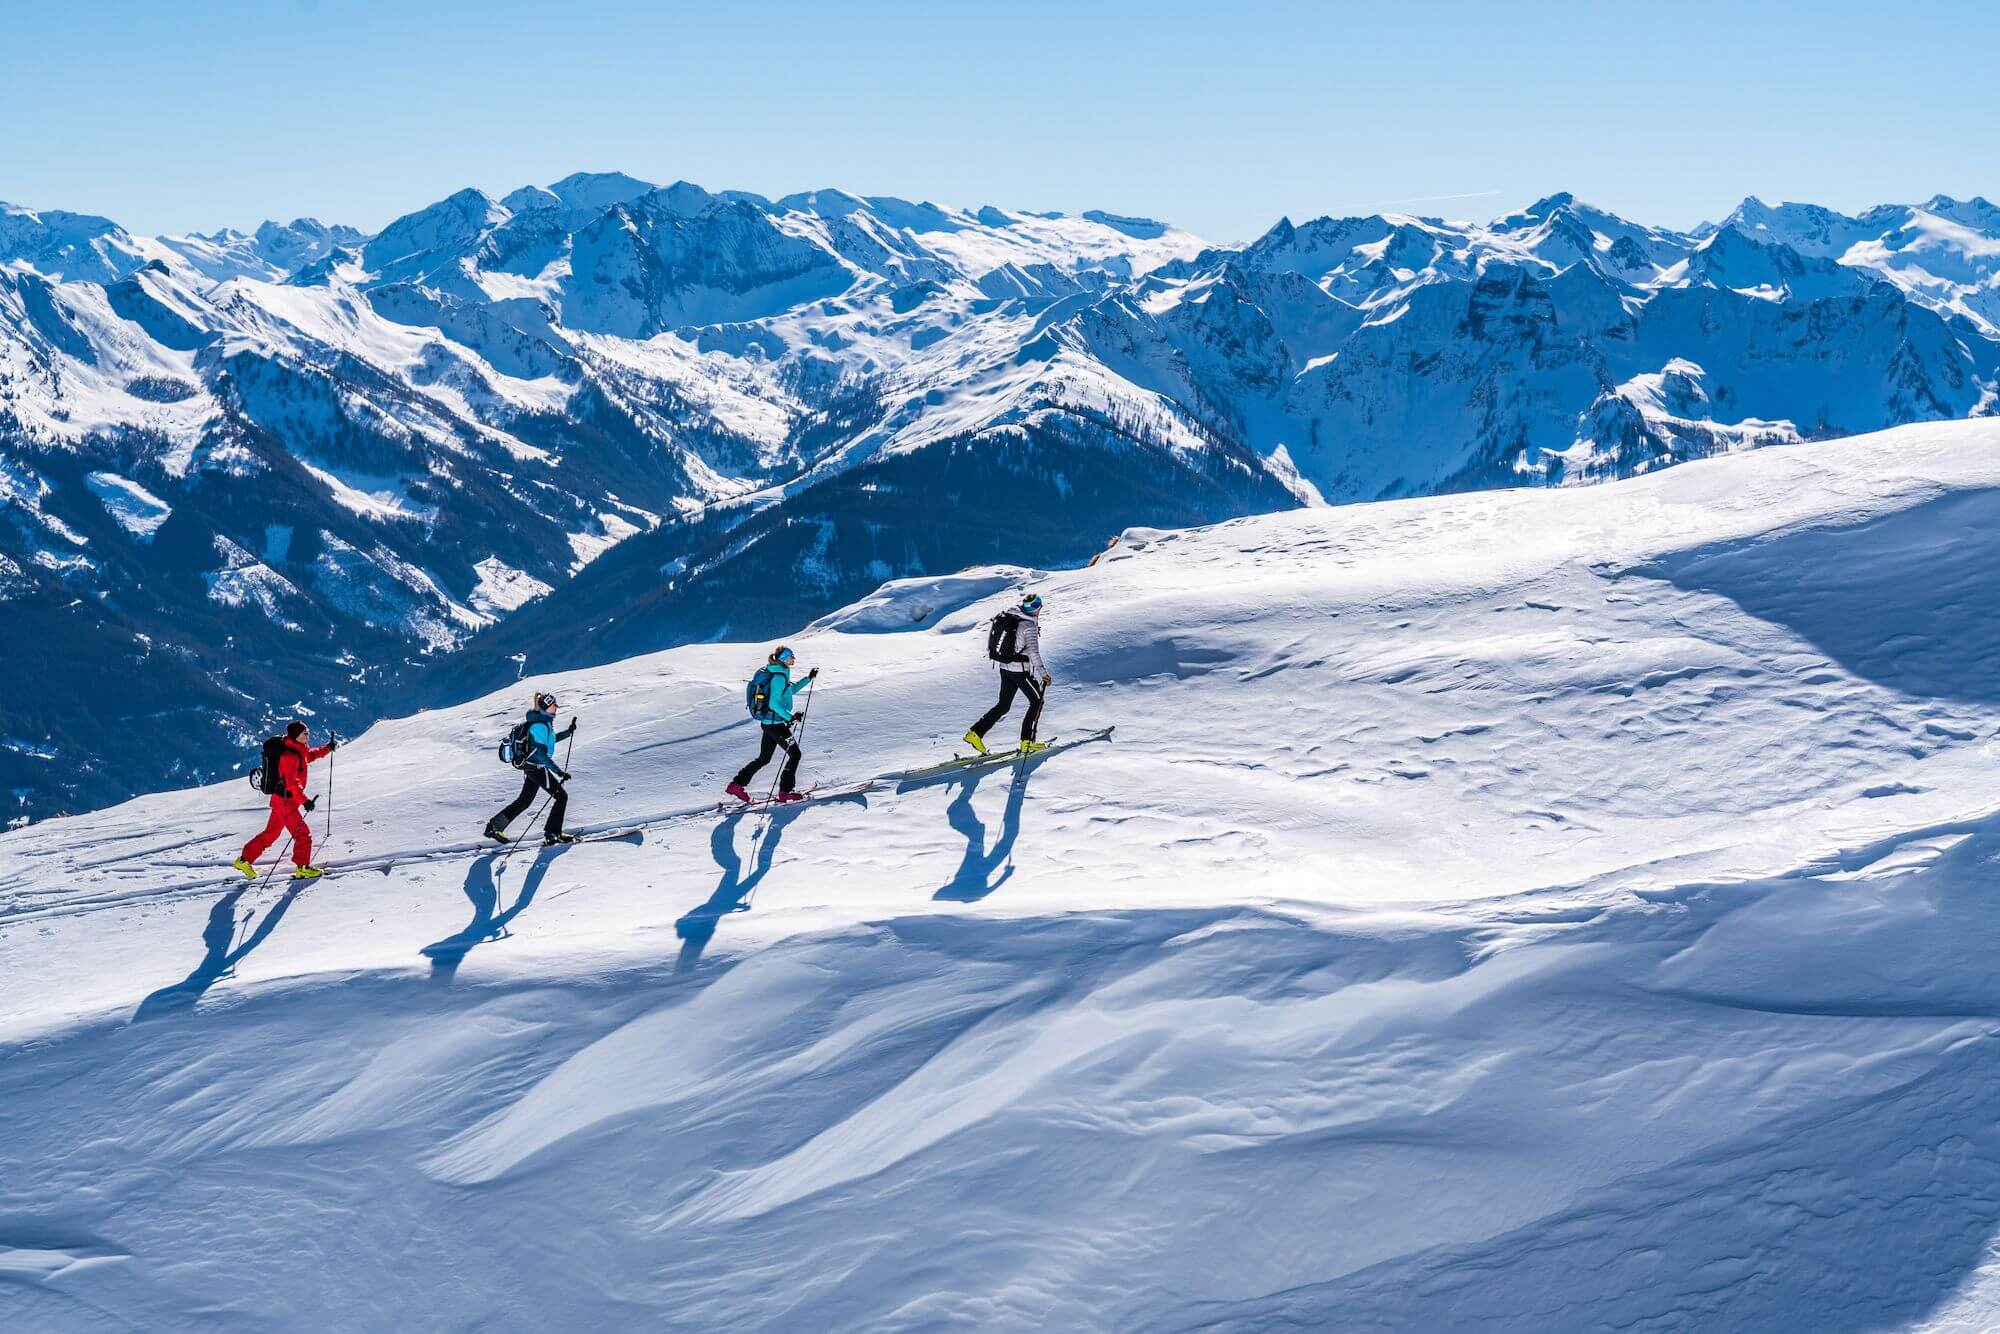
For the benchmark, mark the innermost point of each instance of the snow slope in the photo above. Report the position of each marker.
(1522, 910)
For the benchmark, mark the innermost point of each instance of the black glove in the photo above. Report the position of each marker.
(567, 733)
(563, 774)
(813, 673)
(312, 803)
(1047, 680)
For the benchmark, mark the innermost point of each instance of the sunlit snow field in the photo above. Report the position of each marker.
(1528, 910)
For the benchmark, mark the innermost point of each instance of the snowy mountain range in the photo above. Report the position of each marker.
(304, 468)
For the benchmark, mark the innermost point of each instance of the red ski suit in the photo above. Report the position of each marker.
(287, 815)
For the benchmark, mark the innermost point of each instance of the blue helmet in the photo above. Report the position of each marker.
(1032, 604)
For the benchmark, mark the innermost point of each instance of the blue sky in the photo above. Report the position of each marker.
(1219, 117)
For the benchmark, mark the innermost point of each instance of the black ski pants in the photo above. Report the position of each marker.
(776, 736)
(536, 779)
(1012, 684)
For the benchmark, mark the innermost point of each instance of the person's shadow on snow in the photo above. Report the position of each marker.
(732, 892)
(975, 878)
(222, 954)
(488, 922)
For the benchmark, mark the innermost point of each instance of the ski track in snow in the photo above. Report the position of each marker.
(1519, 910)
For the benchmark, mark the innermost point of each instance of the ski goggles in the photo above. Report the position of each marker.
(783, 656)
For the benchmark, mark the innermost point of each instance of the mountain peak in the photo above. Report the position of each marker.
(599, 189)
(580, 191)
(1547, 209)
(682, 197)
(62, 219)
(1977, 211)
(826, 203)
(451, 221)
(471, 197)
(578, 181)
(530, 199)
(64, 245)
(1537, 213)
(305, 227)
(1283, 230)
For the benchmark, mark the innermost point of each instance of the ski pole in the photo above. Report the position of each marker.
(329, 789)
(811, 681)
(799, 739)
(276, 862)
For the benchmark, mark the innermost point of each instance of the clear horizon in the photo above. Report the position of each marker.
(355, 111)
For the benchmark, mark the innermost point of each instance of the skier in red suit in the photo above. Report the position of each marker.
(289, 804)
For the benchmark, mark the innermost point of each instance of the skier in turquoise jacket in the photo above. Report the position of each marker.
(772, 697)
(539, 773)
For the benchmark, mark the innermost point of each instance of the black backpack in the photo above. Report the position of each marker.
(517, 745)
(267, 777)
(1000, 645)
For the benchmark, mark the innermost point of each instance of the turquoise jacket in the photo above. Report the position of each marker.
(779, 704)
(542, 738)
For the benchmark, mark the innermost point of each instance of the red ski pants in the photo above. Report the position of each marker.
(286, 817)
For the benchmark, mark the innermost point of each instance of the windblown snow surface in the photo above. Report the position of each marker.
(1523, 910)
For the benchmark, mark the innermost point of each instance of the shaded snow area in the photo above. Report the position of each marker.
(1526, 910)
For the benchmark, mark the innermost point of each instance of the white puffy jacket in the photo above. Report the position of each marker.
(1027, 649)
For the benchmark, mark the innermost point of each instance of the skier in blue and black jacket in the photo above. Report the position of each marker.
(772, 700)
(539, 773)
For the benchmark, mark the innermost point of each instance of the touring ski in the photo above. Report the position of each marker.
(958, 763)
(819, 792)
(623, 834)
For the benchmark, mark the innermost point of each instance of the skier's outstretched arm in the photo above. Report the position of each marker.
(792, 689)
(1032, 643)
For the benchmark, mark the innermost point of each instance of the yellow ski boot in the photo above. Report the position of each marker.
(309, 873)
(245, 867)
(1031, 747)
(977, 742)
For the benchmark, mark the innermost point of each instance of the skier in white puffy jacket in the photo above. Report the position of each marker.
(1016, 644)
